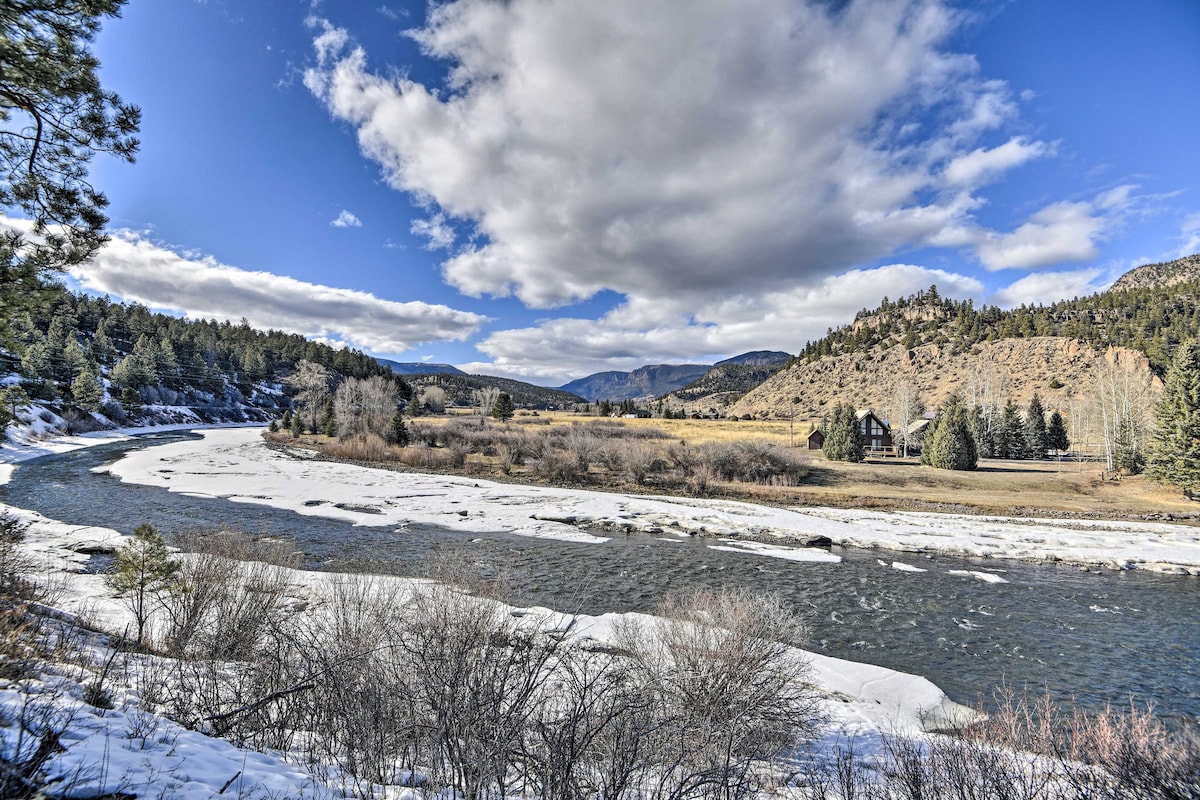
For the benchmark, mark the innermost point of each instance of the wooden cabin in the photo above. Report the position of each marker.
(877, 436)
(816, 439)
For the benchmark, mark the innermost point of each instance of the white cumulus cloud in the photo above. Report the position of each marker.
(1048, 287)
(722, 149)
(1190, 235)
(136, 269)
(983, 164)
(346, 220)
(645, 332)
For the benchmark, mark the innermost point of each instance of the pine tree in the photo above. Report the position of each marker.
(950, 444)
(1175, 448)
(1035, 429)
(843, 436)
(1056, 434)
(503, 408)
(131, 401)
(397, 432)
(86, 389)
(1010, 439)
(54, 117)
(141, 568)
(329, 420)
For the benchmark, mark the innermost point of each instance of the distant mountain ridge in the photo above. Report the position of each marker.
(656, 380)
(642, 383)
(419, 368)
(460, 390)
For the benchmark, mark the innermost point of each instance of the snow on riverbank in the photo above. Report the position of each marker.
(864, 702)
(238, 465)
(129, 748)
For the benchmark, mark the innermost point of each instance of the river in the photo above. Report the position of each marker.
(1097, 637)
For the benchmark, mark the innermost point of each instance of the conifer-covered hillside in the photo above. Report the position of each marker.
(1150, 318)
(464, 391)
(1170, 273)
(96, 362)
(1059, 369)
(939, 345)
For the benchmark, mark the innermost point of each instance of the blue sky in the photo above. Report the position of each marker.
(543, 189)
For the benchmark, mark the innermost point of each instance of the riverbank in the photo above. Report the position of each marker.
(864, 702)
(239, 466)
(758, 461)
(125, 743)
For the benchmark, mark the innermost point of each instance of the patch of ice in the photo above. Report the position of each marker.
(986, 577)
(812, 554)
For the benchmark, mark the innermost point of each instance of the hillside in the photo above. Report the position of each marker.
(942, 345)
(460, 390)
(734, 375)
(419, 368)
(1183, 270)
(643, 383)
(1055, 367)
(730, 379)
(756, 358)
(86, 363)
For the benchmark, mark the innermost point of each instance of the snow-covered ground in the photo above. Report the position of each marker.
(236, 464)
(127, 746)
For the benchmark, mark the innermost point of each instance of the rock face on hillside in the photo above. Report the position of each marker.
(1183, 270)
(1058, 369)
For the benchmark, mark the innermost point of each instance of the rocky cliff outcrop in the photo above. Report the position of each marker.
(1057, 368)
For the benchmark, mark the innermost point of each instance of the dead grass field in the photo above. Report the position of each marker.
(1008, 488)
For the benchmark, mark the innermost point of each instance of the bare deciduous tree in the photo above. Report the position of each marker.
(1123, 404)
(364, 405)
(313, 383)
(433, 398)
(904, 408)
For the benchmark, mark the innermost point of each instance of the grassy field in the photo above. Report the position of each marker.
(1020, 488)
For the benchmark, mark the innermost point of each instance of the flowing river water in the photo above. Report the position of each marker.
(1097, 637)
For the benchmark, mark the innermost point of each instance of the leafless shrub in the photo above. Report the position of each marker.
(362, 447)
(512, 452)
(612, 429)
(479, 674)
(699, 479)
(560, 466)
(610, 455)
(641, 461)
(15, 565)
(228, 591)
(1026, 749)
(36, 723)
(749, 461)
(426, 457)
(350, 685)
(591, 732)
(731, 689)
(24, 636)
